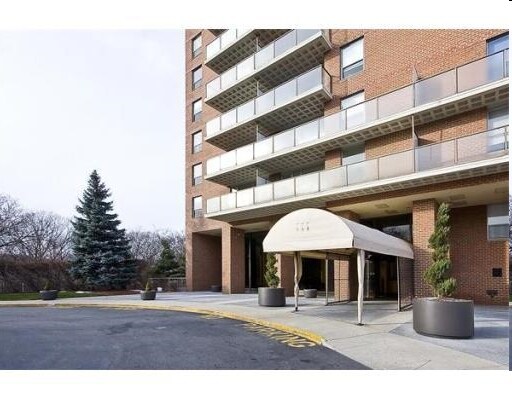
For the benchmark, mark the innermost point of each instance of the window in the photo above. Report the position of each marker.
(497, 118)
(197, 77)
(197, 206)
(197, 142)
(197, 44)
(197, 109)
(497, 221)
(497, 44)
(353, 154)
(352, 58)
(197, 174)
(355, 109)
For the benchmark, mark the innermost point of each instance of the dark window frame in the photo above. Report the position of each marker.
(196, 84)
(196, 180)
(197, 117)
(199, 50)
(197, 212)
(196, 148)
(343, 75)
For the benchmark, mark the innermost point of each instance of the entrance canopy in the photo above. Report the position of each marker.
(312, 229)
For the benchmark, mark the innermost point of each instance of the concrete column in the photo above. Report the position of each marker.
(285, 273)
(233, 260)
(423, 222)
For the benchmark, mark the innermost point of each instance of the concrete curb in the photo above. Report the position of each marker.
(313, 337)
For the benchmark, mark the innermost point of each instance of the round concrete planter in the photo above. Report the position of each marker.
(148, 294)
(447, 318)
(215, 288)
(271, 297)
(310, 293)
(48, 294)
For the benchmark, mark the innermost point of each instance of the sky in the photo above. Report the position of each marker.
(72, 101)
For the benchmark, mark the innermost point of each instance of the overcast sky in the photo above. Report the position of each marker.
(74, 101)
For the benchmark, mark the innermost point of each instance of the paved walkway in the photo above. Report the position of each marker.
(386, 341)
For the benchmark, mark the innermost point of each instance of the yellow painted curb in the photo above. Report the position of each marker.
(280, 327)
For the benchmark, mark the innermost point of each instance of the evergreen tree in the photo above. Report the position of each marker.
(167, 264)
(271, 271)
(437, 274)
(101, 251)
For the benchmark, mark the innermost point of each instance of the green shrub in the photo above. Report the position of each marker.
(271, 272)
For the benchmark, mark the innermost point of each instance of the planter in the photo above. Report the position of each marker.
(447, 318)
(310, 293)
(148, 294)
(215, 288)
(48, 294)
(271, 297)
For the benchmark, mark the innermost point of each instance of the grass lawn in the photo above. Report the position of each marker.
(62, 295)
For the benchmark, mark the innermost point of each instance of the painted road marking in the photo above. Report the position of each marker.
(212, 316)
(283, 337)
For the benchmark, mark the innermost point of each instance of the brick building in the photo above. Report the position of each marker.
(378, 126)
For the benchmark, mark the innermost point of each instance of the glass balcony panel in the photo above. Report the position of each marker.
(228, 201)
(309, 80)
(303, 34)
(286, 92)
(481, 72)
(228, 78)
(245, 68)
(245, 111)
(228, 119)
(244, 154)
(212, 165)
(435, 156)
(356, 115)
(265, 102)
(284, 140)
(284, 189)
(332, 124)
(435, 88)
(395, 102)
(228, 160)
(307, 132)
(306, 184)
(263, 193)
(227, 38)
(213, 87)
(245, 197)
(284, 43)
(213, 205)
(264, 56)
(213, 126)
(396, 165)
(333, 178)
(481, 146)
(263, 148)
(365, 171)
(213, 48)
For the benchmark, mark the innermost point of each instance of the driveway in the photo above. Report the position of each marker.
(89, 338)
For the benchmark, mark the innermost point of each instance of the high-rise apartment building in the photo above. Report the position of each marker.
(378, 126)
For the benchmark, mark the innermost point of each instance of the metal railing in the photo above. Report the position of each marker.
(468, 76)
(226, 39)
(261, 58)
(480, 146)
(314, 78)
(169, 284)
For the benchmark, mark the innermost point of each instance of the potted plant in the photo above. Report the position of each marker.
(442, 315)
(271, 296)
(47, 293)
(148, 294)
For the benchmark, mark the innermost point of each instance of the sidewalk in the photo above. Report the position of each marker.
(386, 341)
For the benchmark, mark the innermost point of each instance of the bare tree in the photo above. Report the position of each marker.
(145, 245)
(12, 220)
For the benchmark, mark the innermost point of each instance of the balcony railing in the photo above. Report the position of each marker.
(258, 60)
(485, 145)
(469, 76)
(282, 94)
(223, 41)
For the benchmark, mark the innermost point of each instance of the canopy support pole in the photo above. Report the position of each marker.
(298, 273)
(360, 278)
(399, 302)
(326, 281)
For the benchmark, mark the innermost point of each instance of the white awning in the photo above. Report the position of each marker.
(312, 229)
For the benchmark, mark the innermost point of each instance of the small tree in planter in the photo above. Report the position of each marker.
(48, 293)
(272, 296)
(441, 315)
(148, 293)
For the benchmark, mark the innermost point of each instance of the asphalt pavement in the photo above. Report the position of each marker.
(89, 338)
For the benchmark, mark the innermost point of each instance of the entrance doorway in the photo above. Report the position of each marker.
(381, 278)
(255, 260)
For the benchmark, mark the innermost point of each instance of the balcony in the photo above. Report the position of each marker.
(288, 56)
(295, 101)
(234, 45)
(470, 86)
(475, 155)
